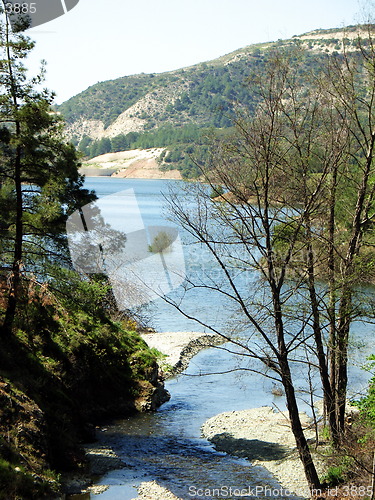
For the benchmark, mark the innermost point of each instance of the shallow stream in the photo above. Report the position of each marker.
(167, 446)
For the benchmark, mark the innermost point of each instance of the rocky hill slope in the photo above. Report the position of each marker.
(181, 109)
(202, 94)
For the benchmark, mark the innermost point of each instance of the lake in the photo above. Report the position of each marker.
(166, 446)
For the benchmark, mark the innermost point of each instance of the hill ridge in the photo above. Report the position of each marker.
(200, 96)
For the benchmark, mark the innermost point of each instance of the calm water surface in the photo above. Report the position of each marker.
(167, 446)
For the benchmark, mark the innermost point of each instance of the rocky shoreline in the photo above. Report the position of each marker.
(133, 164)
(265, 438)
(260, 435)
(178, 348)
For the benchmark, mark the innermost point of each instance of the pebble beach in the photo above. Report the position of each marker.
(261, 435)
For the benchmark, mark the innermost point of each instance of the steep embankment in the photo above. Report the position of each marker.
(66, 367)
(134, 164)
(153, 101)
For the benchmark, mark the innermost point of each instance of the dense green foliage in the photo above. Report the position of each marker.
(51, 186)
(206, 92)
(210, 87)
(164, 136)
(206, 100)
(39, 180)
(367, 403)
(186, 147)
(74, 365)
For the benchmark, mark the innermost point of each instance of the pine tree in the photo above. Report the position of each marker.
(39, 180)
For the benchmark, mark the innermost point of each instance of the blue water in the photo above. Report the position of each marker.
(150, 196)
(167, 446)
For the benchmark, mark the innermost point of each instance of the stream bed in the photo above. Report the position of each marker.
(166, 446)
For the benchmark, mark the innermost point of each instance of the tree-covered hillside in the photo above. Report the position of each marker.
(140, 110)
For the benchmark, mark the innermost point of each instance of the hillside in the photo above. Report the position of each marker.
(135, 164)
(79, 362)
(162, 110)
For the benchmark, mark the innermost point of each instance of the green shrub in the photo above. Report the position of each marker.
(216, 191)
(334, 476)
(366, 404)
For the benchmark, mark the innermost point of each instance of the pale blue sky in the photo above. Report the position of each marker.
(98, 40)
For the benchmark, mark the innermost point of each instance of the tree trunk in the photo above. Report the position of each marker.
(286, 377)
(330, 403)
(15, 282)
(299, 436)
(328, 390)
(342, 363)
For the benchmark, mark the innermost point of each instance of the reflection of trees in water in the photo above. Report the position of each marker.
(161, 242)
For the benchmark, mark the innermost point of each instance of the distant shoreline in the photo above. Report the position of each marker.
(132, 164)
(130, 178)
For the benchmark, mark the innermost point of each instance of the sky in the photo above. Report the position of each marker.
(101, 40)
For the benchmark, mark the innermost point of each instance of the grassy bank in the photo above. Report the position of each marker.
(67, 366)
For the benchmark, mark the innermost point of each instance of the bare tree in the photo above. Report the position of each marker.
(350, 85)
(299, 199)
